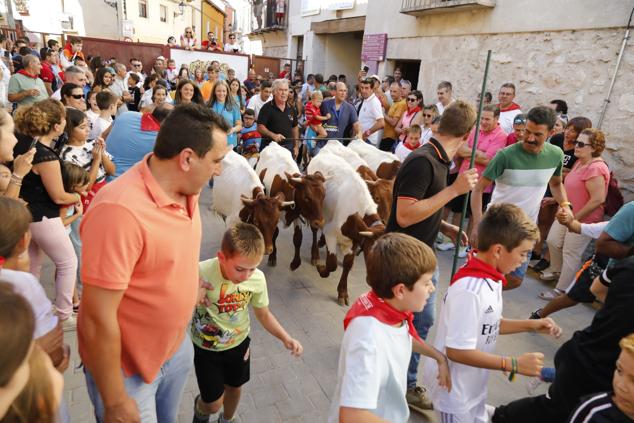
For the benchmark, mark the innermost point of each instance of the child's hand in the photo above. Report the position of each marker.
(564, 216)
(328, 116)
(203, 286)
(444, 375)
(96, 151)
(294, 346)
(530, 364)
(548, 326)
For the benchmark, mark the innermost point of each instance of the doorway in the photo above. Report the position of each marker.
(410, 70)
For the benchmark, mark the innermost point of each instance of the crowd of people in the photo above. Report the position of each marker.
(101, 166)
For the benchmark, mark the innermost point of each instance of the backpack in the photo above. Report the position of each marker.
(614, 198)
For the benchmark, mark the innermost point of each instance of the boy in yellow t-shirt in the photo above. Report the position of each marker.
(220, 325)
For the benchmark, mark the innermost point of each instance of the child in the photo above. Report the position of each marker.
(135, 92)
(615, 406)
(519, 130)
(92, 110)
(90, 155)
(250, 138)
(220, 325)
(411, 142)
(5, 178)
(313, 115)
(107, 103)
(75, 179)
(379, 334)
(471, 317)
(171, 74)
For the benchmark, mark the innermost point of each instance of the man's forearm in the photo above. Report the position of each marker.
(422, 209)
(559, 193)
(476, 205)
(295, 133)
(263, 130)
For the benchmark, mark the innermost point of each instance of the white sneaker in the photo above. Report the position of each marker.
(532, 385)
(69, 324)
(549, 276)
(445, 246)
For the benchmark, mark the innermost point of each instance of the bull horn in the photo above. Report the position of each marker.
(246, 200)
(370, 182)
(288, 203)
(367, 234)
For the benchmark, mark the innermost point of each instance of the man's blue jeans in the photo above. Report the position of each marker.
(423, 320)
(158, 401)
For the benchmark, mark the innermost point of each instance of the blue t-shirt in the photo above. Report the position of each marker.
(231, 117)
(621, 227)
(127, 143)
(340, 120)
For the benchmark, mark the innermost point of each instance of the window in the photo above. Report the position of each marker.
(163, 13)
(143, 8)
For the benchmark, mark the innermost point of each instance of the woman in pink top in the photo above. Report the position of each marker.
(412, 116)
(586, 186)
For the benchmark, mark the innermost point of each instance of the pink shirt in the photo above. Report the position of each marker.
(578, 195)
(489, 143)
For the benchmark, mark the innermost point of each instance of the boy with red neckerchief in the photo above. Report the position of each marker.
(379, 334)
(471, 317)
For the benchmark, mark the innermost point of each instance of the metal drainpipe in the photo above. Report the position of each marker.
(606, 102)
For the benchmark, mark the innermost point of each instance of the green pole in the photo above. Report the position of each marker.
(471, 163)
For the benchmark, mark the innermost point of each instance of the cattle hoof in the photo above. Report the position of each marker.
(323, 272)
(342, 301)
(272, 261)
(322, 242)
(314, 261)
(295, 264)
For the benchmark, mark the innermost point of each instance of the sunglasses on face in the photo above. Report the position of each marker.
(427, 115)
(77, 96)
(582, 144)
(412, 99)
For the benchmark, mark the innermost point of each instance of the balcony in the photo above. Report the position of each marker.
(265, 19)
(426, 7)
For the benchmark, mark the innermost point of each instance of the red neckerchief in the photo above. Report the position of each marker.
(149, 123)
(25, 73)
(513, 106)
(479, 269)
(369, 304)
(414, 111)
(411, 148)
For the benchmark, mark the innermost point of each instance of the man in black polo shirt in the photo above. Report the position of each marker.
(277, 121)
(420, 193)
(585, 364)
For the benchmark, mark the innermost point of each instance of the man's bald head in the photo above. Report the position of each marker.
(342, 92)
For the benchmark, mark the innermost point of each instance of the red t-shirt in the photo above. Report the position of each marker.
(311, 111)
(46, 73)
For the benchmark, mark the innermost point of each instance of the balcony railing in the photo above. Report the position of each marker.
(420, 7)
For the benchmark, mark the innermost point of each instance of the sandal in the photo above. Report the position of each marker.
(551, 295)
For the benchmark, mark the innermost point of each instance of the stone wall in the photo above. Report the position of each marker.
(572, 65)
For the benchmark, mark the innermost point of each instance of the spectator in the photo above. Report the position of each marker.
(398, 74)
(73, 96)
(188, 92)
(412, 116)
(393, 117)
(21, 164)
(188, 40)
(132, 83)
(118, 341)
(211, 43)
(587, 186)
(258, 101)
(277, 121)
(585, 364)
(224, 104)
(103, 79)
(73, 75)
(430, 112)
(508, 109)
(421, 177)
(314, 119)
(250, 82)
(159, 96)
(119, 87)
(445, 96)
(406, 88)
(171, 41)
(308, 87)
(199, 78)
(25, 88)
(207, 87)
(491, 140)
(72, 52)
(236, 92)
(560, 125)
(57, 71)
(183, 74)
(44, 193)
(318, 82)
(250, 139)
(370, 112)
(519, 131)
(95, 64)
(136, 67)
(133, 136)
(560, 107)
(280, 12)
(46, 72)
(411, 143)
(18, 327)
(53, 45)
(107, 103)
(343, 122)
(92, 110)
(159, 67)
(148, 86)
(170, 74)
(488, 98)
(536, 161)
(286, 71)
(232, 46)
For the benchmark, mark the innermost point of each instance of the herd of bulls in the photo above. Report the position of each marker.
(346, 193)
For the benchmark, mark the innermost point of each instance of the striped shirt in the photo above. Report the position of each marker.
(599, 408)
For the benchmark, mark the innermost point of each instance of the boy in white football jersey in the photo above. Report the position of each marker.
(471, 317)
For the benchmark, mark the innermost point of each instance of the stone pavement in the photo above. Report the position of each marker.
(286, 389)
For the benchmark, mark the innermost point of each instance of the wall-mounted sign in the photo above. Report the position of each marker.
(373, 47)
(127, 28)
(340, 4)
(310, 7)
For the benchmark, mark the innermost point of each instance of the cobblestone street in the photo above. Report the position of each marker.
(285, 389)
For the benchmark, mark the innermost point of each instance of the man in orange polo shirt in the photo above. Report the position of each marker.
(141, 244)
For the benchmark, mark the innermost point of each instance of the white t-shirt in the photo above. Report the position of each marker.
(401, 151)
(98, 126)
(372, 371)
(256, 104)
(593, 230)
(230, 47)
(57, 95)
(424, 139)
(371, 110)
(441, 108)
(506, 120)
(29, 287)
(469, 320)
